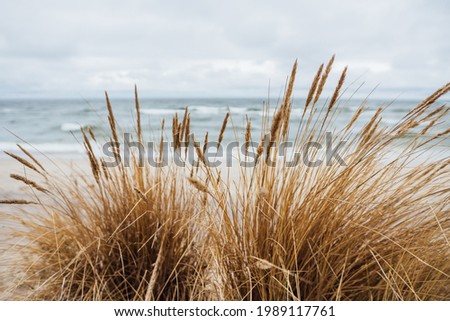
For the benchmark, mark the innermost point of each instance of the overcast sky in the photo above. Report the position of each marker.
(218, 48)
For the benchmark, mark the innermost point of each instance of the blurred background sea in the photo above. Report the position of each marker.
(52, 125)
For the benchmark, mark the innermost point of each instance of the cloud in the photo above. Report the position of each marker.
(374, 67)
(55, 48)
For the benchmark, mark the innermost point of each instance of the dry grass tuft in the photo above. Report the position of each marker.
(113, 240)
(371, 230)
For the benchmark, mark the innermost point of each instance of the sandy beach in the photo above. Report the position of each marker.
(11, 189)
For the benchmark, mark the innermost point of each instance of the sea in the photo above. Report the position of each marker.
(52, 126)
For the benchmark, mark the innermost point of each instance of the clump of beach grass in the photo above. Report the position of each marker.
(125, 233)
(375, 228)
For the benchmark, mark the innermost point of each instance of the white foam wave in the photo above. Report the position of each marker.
(70, 127)
(204, 110)
(160, 111)
(210, 110)
(200, 110)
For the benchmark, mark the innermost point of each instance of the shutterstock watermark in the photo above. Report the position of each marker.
(214, 154)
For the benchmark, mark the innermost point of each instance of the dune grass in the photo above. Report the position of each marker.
(375, 229)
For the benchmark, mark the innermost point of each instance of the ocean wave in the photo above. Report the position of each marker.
(202, 110)
(71, 127)
(213, 110)
(6, 110)
(205, 110)
(161, 111)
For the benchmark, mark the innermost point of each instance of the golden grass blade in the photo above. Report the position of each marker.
(323, 80)
(29, 182)
(31, 157)
(23, 162)
(17, 202)
(222, 129)
(138, 114)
